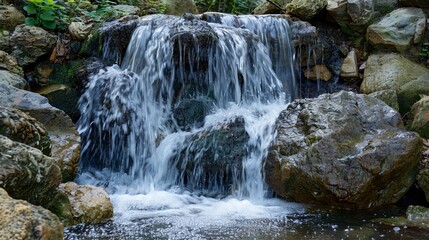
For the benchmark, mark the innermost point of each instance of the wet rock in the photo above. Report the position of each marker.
(89, 204)
(342, 150)
(9, 63)
(190, 113)
(13, 79)
(411, 92)
(416, 217)
(179, 7)
(214, 156)
(22, 128)
(398, 30)
(318, 72)
(10, 17)
(349, 68)
(20, 220)
(65, 141)
(25, 173)
(387, 96)
(79, 30)
(389, 71)
(305, 9)
(30, 42)
(419, 117)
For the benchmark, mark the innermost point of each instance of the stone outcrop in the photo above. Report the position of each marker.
(389, 71)
(20, 220)
(344, 150)
(30, 42)
(398, 30)
(25, 173)
(89, 204)
(65, 141)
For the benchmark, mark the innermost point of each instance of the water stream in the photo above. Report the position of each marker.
(178, 132)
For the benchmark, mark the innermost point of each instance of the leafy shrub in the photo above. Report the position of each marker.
(44, 13)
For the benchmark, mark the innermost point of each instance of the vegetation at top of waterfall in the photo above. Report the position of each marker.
(53, 15)
(227, 6)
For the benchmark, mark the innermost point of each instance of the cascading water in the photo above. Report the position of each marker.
(189, 113)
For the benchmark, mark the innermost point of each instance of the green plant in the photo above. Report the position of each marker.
(104, 11)
(424, 52)
(44, 13)
(227, 6)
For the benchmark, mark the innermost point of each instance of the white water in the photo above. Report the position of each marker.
(134, 147)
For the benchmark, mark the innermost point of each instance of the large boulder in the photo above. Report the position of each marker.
(398, 30)
(30, 42)
(419, 117)
(389, 71)
(305, 9)
(10, 17)
(22, 128)
(65, 141)
(343, 149)
(89, 204)
(411, 92)
(25, 173)
(20, 220)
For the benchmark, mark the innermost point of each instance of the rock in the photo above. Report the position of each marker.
(190, 113)
(415, 3)
(30, 42)
(10, 17)
(5, 40)
(267, 8)
(13, 79)
(419, 117)
(338, 10)
(89, 204)
(398, 30)
(179, 7)
(25, 173)
(360, 11)
(387, 96)
(349, 68)
(305, 9)
(342, 150)
(127, 9)
(20, 220)
(389, 71)
(9, 63)
(423, 178)
(411, 92)
(318, 72)
(65, 141)
(80, 30)
(22, 128)
(416, 217)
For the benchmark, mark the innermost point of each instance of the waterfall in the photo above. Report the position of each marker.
(191, 107)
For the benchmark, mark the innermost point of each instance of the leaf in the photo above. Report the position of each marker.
(31, 21)
(49, 24)
(30, 9)
(47, 16)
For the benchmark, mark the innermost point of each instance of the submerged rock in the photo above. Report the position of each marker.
(89, 204)
(25, 173)
(343, 149)
(20, 220)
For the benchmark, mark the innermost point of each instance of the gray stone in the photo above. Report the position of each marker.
(80, 30)
(387, 96)
(30, 42)
(342, 150)
(65, 140)
(398, 30)
(9, 63)
(20, 220)
(305, 9)
(12, 79)
(389, 71)
(25, 173)
(360, 11)
(419, 117)
(349, 68)
(411, 92)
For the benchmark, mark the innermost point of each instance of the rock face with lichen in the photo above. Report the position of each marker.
(342, 149)
(20, 220)
(25, 173)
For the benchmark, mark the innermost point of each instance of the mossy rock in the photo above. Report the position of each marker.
(411, 92)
